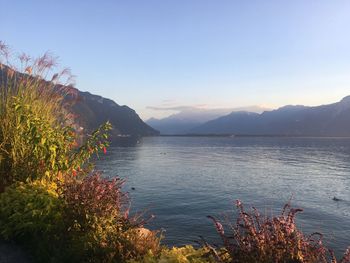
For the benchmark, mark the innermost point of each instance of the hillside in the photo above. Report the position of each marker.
(93, 110)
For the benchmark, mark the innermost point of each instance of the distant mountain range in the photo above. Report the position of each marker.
(293, 120)
(326, 120)
(189, 118)
(93, 110)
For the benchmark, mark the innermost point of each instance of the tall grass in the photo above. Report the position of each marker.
(37, 132)
(33, 135)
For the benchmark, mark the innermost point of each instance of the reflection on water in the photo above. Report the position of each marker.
(183, 179)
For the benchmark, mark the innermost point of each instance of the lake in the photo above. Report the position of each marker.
(181, 180)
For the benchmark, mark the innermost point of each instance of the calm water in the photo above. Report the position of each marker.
(181, 180)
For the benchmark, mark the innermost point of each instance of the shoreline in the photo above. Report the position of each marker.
(251, 136)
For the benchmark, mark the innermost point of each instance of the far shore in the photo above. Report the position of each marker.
(252, 135)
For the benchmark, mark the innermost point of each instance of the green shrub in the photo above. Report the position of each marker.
(29, 209)
(31, 215)
(187, 254)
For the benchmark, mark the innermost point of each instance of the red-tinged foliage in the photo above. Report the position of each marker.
(259, 239)
(97, 217)
(95, 197)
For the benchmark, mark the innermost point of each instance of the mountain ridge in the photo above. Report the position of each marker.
(191, 117)
(292, 120)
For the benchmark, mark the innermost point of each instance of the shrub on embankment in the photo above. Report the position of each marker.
(51, 201)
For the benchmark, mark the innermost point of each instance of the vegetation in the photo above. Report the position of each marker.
(187, 254)
(255, 238)
(53, 203)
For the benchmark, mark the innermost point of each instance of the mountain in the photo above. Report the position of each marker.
(191, 117)
(326, 120)
(93, 110)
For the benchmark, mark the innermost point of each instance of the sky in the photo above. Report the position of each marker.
(159, 55)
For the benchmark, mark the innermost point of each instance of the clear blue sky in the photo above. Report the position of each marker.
(213, 53)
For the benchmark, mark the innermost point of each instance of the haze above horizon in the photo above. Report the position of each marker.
(158, 55)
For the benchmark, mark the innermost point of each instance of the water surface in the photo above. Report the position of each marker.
(181, 180)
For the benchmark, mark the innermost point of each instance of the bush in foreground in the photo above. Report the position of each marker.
(258, 239)
(29, 210)
(88, 222)
(98, 222)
